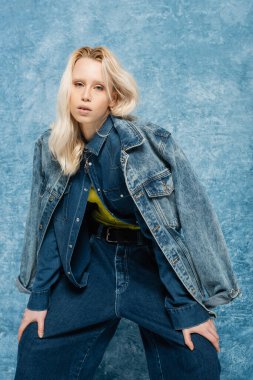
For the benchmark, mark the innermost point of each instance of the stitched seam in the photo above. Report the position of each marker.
(126, 268)
(179, 308)
(157, 354)
(92, 344)
(116, 281)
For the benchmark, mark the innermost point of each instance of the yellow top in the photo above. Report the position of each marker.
(103, 215)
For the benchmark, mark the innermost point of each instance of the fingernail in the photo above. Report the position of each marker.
(40, 335)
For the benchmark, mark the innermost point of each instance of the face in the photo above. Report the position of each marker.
(88, 90)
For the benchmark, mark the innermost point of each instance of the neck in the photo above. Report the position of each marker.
(88, 131)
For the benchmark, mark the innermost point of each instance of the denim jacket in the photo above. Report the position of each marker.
(107, 177)
(169, 197)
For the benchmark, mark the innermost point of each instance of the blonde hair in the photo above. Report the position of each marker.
(65, 141)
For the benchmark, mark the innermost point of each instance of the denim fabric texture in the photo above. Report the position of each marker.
(170, 199)
(78, 330)
(105, 173)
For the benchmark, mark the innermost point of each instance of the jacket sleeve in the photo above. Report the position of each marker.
(28, 254)
(183, 310)
(202, 233)
(48, 271)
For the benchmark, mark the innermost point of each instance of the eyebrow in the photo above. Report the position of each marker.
(82, 80)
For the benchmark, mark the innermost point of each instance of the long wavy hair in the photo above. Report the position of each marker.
(66, 142)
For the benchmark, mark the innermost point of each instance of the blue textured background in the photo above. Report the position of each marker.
(193, 63)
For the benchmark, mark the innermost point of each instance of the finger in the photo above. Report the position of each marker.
(187, 339)
(212, 324)
(211, 338)
(41, 327)
(214, 333)
(21, 330)
(213, 329)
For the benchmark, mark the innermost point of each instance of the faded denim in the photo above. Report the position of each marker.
(78, 330)
(102, 152)
(165, 193)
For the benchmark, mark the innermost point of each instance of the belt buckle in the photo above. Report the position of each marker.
(107, 236)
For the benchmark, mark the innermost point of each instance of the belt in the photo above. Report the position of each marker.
(119, 235)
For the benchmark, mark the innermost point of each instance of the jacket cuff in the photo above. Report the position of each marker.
(39, 300)
(21, 287)
(184, 317)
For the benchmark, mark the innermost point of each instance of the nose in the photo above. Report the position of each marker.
(86, 94)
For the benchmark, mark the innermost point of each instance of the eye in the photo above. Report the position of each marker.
(99, 87)
(77, 84)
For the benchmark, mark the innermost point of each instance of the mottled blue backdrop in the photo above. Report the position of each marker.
(193, 63)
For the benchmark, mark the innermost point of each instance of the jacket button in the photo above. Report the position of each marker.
(68, 272)
(70, 245)
(233, 292)
(40, 226)
(77, 219)
(51, 198)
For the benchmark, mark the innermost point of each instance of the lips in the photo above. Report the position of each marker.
(84, 108)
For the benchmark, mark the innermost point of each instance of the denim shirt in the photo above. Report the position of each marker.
(103, 152)
(169, 196)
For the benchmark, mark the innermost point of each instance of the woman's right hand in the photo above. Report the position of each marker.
(32, 316)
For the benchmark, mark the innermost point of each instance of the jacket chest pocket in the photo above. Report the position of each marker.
(117, 194)
(61, 212)
(160, 185)
(160, 192)
(118, 199)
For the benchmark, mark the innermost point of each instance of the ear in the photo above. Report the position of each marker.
(114, 99)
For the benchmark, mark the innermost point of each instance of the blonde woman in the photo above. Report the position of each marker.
(119, 226)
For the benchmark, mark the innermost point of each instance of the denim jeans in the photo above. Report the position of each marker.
(123, 282)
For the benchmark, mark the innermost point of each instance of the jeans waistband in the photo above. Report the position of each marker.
(120, 235)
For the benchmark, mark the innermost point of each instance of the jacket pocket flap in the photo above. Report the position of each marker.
(159, 185)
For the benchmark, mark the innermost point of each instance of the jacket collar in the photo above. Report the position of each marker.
(130, 135)
(95, 144)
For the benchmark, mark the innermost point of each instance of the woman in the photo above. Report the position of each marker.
(119, 226)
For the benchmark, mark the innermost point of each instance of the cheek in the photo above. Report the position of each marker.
(103, 101)
(72, 101)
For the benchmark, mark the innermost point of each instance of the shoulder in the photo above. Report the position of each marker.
(149, 128)
(42, 139)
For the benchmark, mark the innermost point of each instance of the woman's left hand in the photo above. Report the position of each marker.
(207, 329)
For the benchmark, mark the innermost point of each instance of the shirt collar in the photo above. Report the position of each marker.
(95, 144)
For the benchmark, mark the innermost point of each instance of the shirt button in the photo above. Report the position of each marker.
(85, 189)
(90, 163)
(40, 226)
(121, 195)
(70, 245)
(77, 219)
(98, 189)
(68, 272)
(51, 198)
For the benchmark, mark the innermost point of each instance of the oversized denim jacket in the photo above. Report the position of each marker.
(170, 198)
(101, 167)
